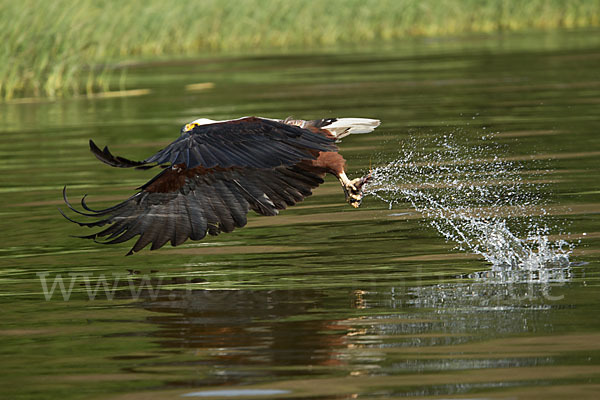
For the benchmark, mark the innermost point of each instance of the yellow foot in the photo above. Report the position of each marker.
(354, 189)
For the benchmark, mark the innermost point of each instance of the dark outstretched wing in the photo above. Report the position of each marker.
(181, 204)
(246, 142)
(115, 161)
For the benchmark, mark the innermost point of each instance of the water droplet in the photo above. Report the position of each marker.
(477, 204)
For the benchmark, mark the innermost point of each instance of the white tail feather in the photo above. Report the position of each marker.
(343, 127)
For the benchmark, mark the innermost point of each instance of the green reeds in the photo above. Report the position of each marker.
(57, 48)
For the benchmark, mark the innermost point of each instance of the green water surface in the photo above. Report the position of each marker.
(322, 301)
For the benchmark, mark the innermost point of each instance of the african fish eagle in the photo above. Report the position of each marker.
(216, 171)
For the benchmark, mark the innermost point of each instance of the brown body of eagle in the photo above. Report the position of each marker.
(217, 171)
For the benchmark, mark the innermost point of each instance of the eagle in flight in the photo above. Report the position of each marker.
(216, 171)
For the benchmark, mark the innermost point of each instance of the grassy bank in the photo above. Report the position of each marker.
(58, 48)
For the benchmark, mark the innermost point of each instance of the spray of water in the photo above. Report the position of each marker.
(474, 197)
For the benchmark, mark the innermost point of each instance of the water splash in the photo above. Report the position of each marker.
(486, 204)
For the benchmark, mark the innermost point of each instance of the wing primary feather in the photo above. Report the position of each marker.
(124, 236)
(195, 157)
(219, 201)
(303, 175)
(242, 158)
(108, 158)
(164, 235)
(297, 185)
(89, 224)
(214, 225)
(251, 156)
(236, 209)
(200, 216)
(113, 208)
(147, 236)
(73, 208)
(275, 193)
(222, 159)
(287, 192)
(259, 205)
(96, 213)
(181, 221)
(207, 156)
(113, 230)
(197, 221)
(239, 205)
(176, 158)
(141, 228)
(187, 156)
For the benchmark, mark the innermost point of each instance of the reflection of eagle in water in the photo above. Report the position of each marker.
(217, 171)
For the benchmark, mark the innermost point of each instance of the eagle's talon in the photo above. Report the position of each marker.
(354, 190)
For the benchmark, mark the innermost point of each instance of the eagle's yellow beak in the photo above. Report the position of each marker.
(189, 127)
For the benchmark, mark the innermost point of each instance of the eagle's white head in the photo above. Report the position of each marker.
(200, 121)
